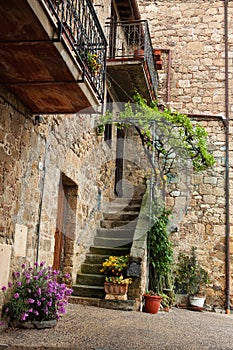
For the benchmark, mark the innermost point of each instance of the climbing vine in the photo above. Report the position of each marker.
(160, 256)
(167, 133)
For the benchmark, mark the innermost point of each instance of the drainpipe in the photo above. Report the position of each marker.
(227, 162)
(41, 199)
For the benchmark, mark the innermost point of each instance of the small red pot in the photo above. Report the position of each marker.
(152, 303)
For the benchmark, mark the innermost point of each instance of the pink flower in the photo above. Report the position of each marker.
(16, 295)
(31, 301)
(24, 316)
(3, 288)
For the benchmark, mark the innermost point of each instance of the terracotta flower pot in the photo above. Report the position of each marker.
(115, 288)
(152, 303)
(139, 54)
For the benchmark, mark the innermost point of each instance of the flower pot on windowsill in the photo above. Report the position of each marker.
(139, 54)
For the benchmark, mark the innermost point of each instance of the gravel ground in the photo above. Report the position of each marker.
(93, 328)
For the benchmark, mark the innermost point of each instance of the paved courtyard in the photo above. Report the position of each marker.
(92, 328)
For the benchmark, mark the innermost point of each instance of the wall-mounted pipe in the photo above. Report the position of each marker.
(227, 238)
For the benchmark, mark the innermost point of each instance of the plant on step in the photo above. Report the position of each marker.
(115, 267)
(35, 294)
(118, 280)
(160, 258)
(190, 277)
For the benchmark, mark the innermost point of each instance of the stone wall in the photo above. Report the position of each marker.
(33, 160)
(193, 33)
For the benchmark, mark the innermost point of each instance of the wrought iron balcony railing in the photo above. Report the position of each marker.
(77, 21)
(132, 40)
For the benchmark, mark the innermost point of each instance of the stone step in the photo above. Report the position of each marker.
(121, 216)
(126, 305)
(88, 291)
(87, 279)
(113, 207)
(123, 224)
(115, 233)
(112, 242)
(110, 251)
(126, 201)
(95, 258)
(90, 268)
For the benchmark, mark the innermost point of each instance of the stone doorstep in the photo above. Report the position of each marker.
(125, 305)
(116, 296)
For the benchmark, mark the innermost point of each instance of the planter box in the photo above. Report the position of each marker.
(114, 288)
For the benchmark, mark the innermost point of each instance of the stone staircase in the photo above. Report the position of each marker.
(114, 237)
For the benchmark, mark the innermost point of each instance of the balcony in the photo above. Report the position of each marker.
(52, 54)
(130, 61)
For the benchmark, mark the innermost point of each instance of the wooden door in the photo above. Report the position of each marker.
(59, 233)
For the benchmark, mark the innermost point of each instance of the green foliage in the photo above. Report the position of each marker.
(175, 134)
(160, 256)
(190, 277)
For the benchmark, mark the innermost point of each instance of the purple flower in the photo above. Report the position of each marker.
(36, 312)
(16, 295)
(3, 288)
(19, 284)
(49, 303)
(36, 264)
(16, 274)
(28, 281)
(30, 310)
(10, 284)
(6, 310)
(38, 302)
(62, 310)
(31, 301)
(23, 266)
(2, 323)
(67, 275)
(42, 263)
(24, 316)
(36, 278)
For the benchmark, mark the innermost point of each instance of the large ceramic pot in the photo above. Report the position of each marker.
(152, 303)
(115, 288)
(196, 301)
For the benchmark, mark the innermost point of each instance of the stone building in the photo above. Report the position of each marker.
(196, 43)
(57, 171)
(59, 174)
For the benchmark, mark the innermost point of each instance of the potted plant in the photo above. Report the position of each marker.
(152, 302)
(191, 278)
(36, 296)
(116, 281)
(160, 258)
(93, 62)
